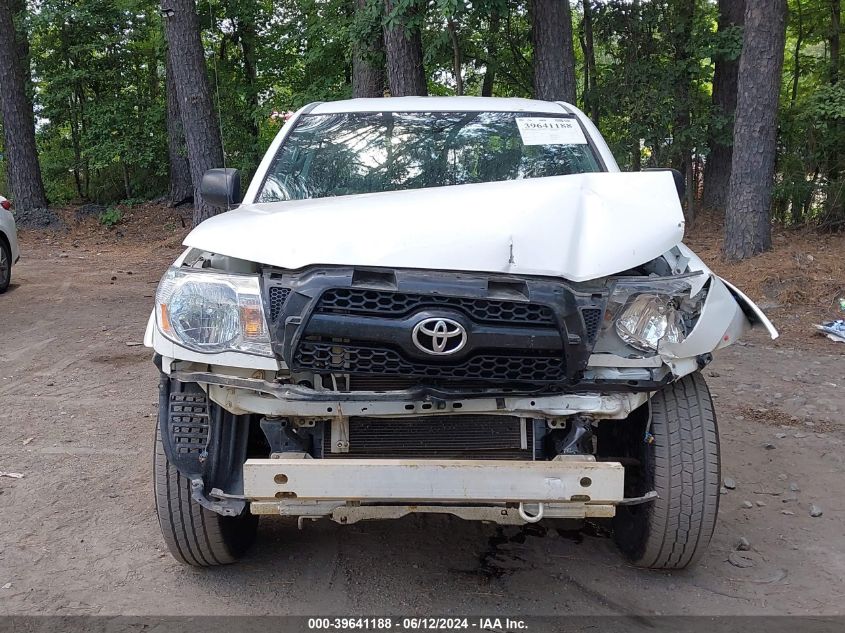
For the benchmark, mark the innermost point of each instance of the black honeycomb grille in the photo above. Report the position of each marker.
(278, 296)
(398, 304)
(188, 423)
(368, 360)
(592, 322)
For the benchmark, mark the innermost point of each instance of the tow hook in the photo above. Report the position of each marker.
(528, 518)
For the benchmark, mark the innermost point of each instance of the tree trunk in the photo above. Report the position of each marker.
(76, 144)
(636, 156)
(18, 8)
(717, 171)
(835, 212)
(368, 75)
(591, 84)
(181, 186)
(248, 37)
(82, 133)
(153, 80)
(26, 187)
(127, 187)
(748, 229)
(835, 37)
(403, 49)
(457, 64)
(492, 60)
(585, 93)
(554, 56)
(681, 25)
(796, 58)
(199, 121)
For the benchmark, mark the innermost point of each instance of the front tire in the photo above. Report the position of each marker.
(194, 535)
(678, 456)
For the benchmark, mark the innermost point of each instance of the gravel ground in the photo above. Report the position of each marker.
(78, 533)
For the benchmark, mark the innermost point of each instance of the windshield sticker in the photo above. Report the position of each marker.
(550, 131)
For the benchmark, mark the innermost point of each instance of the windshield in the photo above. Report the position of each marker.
(364, 152)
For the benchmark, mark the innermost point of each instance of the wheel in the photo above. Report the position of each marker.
(679, 460)
(5, 265)
(194, 535)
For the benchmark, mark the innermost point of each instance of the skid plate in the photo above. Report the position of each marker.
(494, 481)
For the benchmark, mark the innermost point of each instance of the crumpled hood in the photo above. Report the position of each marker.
(578, 227)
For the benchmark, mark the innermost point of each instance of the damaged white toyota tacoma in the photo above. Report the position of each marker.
(442, 305)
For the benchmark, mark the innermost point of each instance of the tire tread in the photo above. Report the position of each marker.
(686, 473)
(194, 535)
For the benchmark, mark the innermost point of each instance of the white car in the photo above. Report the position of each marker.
(445, 305)
(9, 254)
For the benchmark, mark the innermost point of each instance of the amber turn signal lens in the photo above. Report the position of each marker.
(165, 321)
(252, 321)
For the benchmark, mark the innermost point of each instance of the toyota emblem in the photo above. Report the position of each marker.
(439, 336)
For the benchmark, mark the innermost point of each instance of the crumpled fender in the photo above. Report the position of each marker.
(752, 310)
(721, 323)
(726, 315)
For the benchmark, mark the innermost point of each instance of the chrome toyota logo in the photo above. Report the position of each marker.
(439, 336)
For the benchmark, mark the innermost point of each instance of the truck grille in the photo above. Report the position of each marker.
(278, 296)
(592, 322)
(345, 358)
(438, 437)
(518, 333)
(398, 304)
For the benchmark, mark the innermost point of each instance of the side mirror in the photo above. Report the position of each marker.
(221, 187)
(680, 181)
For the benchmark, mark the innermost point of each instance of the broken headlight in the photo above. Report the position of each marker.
(212, 312)
(647, 313)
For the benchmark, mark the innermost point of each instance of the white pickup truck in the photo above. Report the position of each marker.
(447, 305)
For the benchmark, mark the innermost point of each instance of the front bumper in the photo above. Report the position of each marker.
(500, 491)
(306, 477)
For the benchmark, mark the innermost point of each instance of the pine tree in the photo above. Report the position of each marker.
(748, 229)
(26, 187)
(199, 121)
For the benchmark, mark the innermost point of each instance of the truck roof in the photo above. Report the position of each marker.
(441, 104)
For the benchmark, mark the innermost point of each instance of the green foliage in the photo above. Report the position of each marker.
(111, 217)
(100, 96)
(98, 68)
(726, 44)
(811, 146)
(650, 87)
(826, 106)
(366, 27)
(133, 202)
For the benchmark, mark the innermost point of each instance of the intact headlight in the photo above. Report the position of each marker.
(212, 312)
(649, 312)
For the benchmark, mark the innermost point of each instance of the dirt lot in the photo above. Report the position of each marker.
(78, 533)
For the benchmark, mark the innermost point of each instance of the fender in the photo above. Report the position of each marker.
(752, 311)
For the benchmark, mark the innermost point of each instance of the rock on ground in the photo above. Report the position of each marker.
(36, 219)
